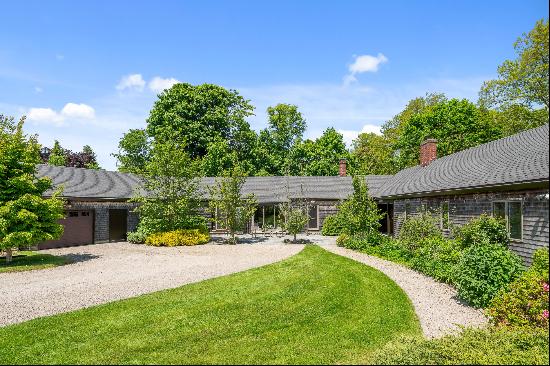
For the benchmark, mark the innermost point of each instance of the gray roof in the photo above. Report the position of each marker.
(520, 159)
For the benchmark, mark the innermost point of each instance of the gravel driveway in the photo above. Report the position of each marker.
(436, 304)
(107, 272)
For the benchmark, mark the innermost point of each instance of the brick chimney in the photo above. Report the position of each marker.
(428, 151)
(343, 167)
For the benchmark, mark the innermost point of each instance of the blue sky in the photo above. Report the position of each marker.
(86, 72)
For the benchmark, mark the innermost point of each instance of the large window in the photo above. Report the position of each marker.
(512, 213)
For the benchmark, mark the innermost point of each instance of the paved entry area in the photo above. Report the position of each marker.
(106, 272)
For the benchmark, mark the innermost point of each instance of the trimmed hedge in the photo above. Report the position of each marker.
(177, 238)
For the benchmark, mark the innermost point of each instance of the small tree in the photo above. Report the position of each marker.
(26, 218)
(171, 197)
(229, 208)
(57, 155)
(293, 217)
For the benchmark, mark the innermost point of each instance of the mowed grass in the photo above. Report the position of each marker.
(27, 261)
(315, 307)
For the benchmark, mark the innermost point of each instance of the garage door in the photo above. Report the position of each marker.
(79, 230)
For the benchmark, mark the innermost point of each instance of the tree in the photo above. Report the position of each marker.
(196, 116)
(57, 155)
(134, 151)
(89, 158)
(320, 157)
(373, 155)
(26, 218)
(361, 210)
(523, 81)
(456, 124)
(229, 208)
(293, 217)
(171, 196)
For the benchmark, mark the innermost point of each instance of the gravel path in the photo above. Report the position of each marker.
(106, 272)
(436, 304)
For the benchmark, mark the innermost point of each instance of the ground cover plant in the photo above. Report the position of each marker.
(178, 237)
(26, 261)
(315, 307)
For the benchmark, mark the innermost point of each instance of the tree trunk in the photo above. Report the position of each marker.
(294, 238)
(9, 255)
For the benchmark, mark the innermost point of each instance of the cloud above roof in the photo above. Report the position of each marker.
(78, 111)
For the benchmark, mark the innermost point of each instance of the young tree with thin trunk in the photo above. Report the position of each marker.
(26, 217)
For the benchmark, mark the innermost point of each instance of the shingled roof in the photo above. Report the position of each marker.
(517, 160)
(80, 183)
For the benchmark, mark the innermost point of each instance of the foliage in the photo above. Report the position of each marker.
(26, 218)
(523, 81)
(171, 196)
(64, 157)
(136, 237)
(333, 225)
(492, 346)
(337, 311)
(483, 271)
(418, 228)
(482, 230)
(524, 301)
(373, 154)
(456, 124)
(229, 208)
(195, 116)
(57, 155)
(29, 261)
(359, 213)
(177, 238)
(293, 218)
(437, 258)
(134, 151)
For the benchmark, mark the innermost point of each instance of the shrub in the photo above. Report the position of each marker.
(136, 237)
(333, 225)
(438, 258)
(417, 229)
(177, 238)
(483, 271)
(342, 240)
(482, 230)
(493, 346)
(524, 301)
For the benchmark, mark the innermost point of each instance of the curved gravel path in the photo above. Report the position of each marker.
(436, 304)
(106, 272)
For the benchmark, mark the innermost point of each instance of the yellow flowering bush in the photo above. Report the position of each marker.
(178, 237)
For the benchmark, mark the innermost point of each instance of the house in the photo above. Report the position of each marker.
(507, 178)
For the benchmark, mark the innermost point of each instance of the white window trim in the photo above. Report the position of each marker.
(506, 217)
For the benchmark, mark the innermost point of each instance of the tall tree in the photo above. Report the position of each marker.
(373, 154)
(134, 151)
(171, 196)
(196, 116)
(57, 155)
(26, 218)
(319, 157)
(523, 81)
(89, 158)
(456, 124)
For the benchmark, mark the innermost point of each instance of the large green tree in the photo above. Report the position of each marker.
(57, 155)
(198, 115)
(134, 151)
(26, 217)
(456, 124)
(373, 154)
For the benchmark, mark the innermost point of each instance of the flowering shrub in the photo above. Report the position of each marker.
(483, 271)
(482, 230)
(525, 301)
(177, 238)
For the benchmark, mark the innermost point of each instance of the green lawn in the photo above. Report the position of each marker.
(315, 307)
(30, 261)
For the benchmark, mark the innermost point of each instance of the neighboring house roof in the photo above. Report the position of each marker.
(90, 183)
(517, 160)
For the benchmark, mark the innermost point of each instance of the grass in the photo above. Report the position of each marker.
(27, 261)
(313, 308)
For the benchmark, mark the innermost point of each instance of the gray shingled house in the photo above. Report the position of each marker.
(507, 178)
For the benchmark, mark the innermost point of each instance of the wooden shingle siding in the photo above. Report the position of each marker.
(463, 208)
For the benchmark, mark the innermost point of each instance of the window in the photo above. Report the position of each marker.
(445, 215)
(73, 213)
(512, 213)
(313, 217)
(85, 213)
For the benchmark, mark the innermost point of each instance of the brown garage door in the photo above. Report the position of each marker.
(79, 230)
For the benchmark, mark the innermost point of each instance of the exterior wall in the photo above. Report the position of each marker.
(463, 208)
(101, 216)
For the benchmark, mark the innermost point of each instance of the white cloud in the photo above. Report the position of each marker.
(38, 89)
(70, 110)
(132, 82)
(350, 135)
(364, 63)
(73, 110)
(158, 84)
